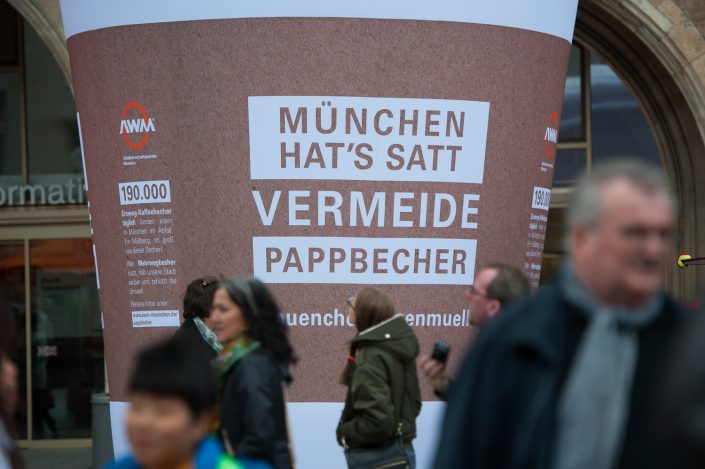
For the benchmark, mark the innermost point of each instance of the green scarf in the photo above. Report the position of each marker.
(234, 351)
(207, 334)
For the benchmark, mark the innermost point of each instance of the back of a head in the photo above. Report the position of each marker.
(169, 370)
(587, 201)
(372, 306)
(509, 285)
(199, 297)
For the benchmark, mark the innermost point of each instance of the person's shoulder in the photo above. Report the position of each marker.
(210, 454)
(528, 320)
(672, 307)
(260, 363)
(127, 462)
(259, 357)
(371, 353)
(528, 310)
(185, 329)
(674, 315)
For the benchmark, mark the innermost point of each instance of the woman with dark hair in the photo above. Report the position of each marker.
(253, 367)
(383, 398)
(195, 333)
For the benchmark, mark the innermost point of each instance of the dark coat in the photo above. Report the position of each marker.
(190, 337)
(385, 366)
(502, 408)
(253, 413)
(683, 405)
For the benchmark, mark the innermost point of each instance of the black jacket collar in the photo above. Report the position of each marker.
(539, 322)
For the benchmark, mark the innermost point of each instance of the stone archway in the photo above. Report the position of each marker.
(638, 42)
(45, 17)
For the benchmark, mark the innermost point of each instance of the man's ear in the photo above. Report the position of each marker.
(493, 307)
(582, 245)
(579, 236)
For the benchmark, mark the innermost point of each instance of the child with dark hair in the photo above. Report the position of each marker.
(172, 398)
(195, 333)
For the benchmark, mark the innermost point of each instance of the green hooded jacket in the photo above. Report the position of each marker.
(384, 363)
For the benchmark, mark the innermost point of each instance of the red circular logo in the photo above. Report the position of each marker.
(130, 126)
(551, 136)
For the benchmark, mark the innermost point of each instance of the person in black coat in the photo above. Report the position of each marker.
(570, 378)
(253, 368)
(682, 407)
(195, 333)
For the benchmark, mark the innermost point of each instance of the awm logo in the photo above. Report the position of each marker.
(551, 135)
(140, 124)
(132, 126)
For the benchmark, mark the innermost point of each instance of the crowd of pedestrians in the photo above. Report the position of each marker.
(599, 369)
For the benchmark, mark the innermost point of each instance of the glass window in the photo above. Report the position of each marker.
(571, 126)
(10, 156)
(67, 344)
(54, 153)
(553, 249)
(569, 165)
(619, 127)
(12, 298)
(8, 35)
(555, 228)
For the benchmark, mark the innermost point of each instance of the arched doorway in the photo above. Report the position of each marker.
(669, 103)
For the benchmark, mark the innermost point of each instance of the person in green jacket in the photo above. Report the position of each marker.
(381, 365)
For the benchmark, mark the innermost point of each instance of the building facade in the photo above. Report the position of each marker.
(635, 88)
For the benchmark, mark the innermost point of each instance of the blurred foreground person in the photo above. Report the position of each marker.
(253, 368)
(566, 379)
(194, 333)
(383, 398)
(683, 403)
(172, 396)
(496, 286)
(9, 386)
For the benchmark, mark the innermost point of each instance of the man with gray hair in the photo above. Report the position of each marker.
(565, 379)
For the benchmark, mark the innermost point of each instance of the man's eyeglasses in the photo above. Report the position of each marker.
(473, 291)
(350, 301)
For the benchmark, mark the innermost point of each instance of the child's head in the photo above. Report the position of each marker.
(172, 394)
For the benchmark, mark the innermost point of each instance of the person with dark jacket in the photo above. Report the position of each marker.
(194, 333)
(682, 406)
(496, 286)
(570, 378)
(253, 368)
(380, 376)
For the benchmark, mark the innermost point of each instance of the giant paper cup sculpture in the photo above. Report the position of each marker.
(321, 146)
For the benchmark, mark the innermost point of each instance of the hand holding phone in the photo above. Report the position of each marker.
(440, 352)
